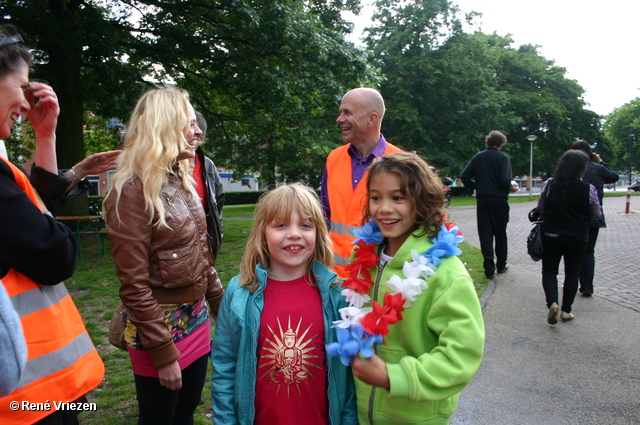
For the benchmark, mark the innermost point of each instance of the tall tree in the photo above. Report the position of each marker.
(546, 104)
(446, 89)
(241, 61)
(622, 131)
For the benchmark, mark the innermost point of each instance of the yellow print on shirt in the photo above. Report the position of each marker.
(288, 362)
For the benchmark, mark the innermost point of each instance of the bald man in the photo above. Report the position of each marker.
(344, 190)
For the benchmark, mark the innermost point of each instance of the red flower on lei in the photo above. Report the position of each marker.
(359, 331)
(378, 321)
(365, 259)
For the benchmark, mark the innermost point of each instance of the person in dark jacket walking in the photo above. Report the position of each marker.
(567, 205)
(489, 173)
(598, 174)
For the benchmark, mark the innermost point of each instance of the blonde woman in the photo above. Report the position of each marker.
(158, 232)
(269, 360)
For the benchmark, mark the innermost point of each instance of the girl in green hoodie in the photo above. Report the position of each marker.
(422, 301)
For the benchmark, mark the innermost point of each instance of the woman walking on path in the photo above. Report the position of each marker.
(567, 204)
(598, 174)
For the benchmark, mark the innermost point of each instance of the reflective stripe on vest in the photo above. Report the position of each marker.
(345, 203)
(62, 363)
(60, 359)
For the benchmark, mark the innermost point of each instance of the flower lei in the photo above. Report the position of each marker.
(362, 327)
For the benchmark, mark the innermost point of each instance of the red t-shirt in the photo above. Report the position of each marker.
(291, 384)
(201, 190)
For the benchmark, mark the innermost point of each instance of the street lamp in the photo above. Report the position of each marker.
(531, 138)
(632, 138)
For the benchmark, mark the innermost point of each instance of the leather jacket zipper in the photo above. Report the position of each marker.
(195, 224)
(166, 200)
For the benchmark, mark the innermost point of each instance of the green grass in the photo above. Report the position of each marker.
(94, 287)
(621, 193)
(463, 201)
(238, 210)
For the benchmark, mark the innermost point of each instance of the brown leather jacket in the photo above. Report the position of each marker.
(163, 265)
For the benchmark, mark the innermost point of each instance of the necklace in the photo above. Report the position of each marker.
(361, 327)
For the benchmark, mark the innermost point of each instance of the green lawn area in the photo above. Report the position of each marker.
(94, 287)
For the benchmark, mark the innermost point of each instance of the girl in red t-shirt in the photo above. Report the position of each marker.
(268, 353)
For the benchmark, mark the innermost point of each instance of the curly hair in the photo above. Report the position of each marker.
(418, 183)
(496, 139)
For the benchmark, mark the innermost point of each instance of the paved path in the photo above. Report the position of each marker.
(617, 275)
(584, 372)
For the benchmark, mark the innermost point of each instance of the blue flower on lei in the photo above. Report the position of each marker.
(352, 338)
(369, 233)
(444, 245)
(352, 341)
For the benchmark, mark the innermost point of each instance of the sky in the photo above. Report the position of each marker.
(597, 42)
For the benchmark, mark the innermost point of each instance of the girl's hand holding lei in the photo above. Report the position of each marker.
(362, 327)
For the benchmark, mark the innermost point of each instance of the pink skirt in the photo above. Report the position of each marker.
(192, 347)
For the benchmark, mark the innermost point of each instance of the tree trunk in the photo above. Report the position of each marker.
(64, 76)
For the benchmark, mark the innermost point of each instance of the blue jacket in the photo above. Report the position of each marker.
(12, 345)
(234, 348)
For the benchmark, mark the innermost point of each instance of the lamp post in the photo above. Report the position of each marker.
(632, 138)
(531, 138)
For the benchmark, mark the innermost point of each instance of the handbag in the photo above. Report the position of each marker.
(117, 326)
(534, 242)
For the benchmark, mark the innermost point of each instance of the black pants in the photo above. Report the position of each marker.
(572, 249)
(161, 406)
(589, 264)
(60, 417)
(493, 216)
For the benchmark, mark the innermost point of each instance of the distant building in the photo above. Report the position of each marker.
(248, 183)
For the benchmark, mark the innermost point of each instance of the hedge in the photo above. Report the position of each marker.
(230, 198)
(461, 191)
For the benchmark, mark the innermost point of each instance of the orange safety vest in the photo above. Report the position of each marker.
(345, 203)
(62, 363)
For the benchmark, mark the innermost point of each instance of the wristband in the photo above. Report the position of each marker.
(74, 176)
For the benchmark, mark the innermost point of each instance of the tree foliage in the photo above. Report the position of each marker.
(21, 143)
(622, 130)
(446, 89)
(264, 72)
(98, 136)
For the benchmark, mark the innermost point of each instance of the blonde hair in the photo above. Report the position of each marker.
(279, 204)
(155, 136)
(418, 183)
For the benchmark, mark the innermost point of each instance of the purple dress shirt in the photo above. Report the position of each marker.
(358, 167)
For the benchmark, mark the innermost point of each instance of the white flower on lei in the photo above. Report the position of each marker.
(355, 298)
(416, 273)
(421, 265)
(351, 315)
(409, 288)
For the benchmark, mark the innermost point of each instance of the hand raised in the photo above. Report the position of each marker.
(45, 109)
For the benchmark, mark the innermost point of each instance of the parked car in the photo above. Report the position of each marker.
(636, 186)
